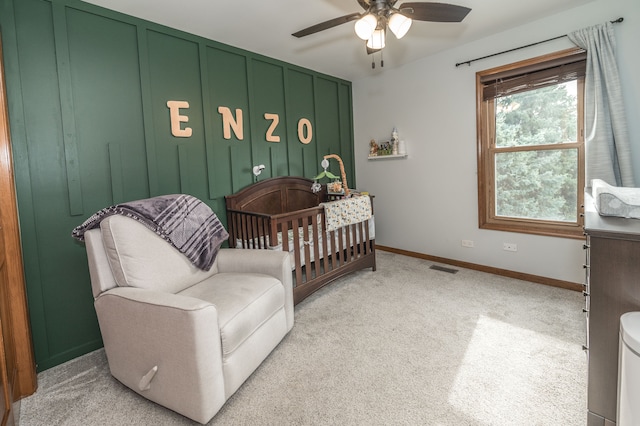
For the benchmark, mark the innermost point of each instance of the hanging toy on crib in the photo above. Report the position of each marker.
(316, 186)
(335, 187)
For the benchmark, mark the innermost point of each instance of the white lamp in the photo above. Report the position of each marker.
(399, 24)
(365, 26)
(377, 40)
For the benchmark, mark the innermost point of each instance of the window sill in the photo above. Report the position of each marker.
(574, 231)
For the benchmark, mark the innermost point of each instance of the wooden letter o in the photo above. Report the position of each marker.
(304, 126)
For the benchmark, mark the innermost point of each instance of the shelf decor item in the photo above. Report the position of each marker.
(373, 148)
(384, 148)
(393, 148)
(402, 148)
(394, 141)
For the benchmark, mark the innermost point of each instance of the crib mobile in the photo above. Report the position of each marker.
(335, 187)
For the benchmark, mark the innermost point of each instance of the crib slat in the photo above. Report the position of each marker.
(259, 233)
(258, 230)
(236, 228)
(232, 231)
(340, 247)
(283, 227)
(367, 237)
(325, 249)
(274, 228)
(333, 249)
(245, 232)
(361, 242)
(250, 232)
(296, 250)
(265, 232)
(317, 263)
(256, 234)
(349, 252)
(304, 223)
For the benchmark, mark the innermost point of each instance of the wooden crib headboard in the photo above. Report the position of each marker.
(283, 194)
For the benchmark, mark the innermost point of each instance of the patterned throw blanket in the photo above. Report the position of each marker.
(347, 211)
(184, 221)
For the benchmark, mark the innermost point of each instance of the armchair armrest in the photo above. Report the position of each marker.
(269, 262)
(178, 335)
(159, 299)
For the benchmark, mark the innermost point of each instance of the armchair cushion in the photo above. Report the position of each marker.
(139, 258)
(244, 303)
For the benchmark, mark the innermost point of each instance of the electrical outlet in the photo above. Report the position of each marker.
(510, 246)
(467, 243)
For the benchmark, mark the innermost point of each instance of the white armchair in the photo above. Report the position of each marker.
(182, 337)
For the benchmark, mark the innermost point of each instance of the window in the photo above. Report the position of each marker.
(531, 145)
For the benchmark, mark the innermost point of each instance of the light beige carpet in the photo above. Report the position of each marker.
(406, 345)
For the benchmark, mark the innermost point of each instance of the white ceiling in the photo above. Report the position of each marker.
(265, 27)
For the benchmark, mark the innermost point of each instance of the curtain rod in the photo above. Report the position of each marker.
(522, 47)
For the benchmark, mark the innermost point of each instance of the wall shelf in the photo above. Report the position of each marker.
(384, 157)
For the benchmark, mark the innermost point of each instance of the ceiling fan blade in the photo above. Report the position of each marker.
(327, 24)
(434, 12)
(364, 4)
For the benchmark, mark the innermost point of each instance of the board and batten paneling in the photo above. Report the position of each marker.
(88, 91)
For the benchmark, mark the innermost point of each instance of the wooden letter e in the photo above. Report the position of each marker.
(176, 119)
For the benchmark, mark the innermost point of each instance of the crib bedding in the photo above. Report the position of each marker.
(348, 211)
(354, 238)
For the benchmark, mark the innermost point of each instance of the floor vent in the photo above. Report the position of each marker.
(443, 269)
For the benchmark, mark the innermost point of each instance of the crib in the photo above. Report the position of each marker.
(283, 213)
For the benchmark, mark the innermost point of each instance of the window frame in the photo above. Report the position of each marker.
(485, 121)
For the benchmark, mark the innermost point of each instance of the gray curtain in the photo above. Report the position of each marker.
(608, 151)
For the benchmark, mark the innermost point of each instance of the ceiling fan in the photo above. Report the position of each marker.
(371, 25)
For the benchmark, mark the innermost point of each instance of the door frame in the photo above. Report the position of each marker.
(24, 375)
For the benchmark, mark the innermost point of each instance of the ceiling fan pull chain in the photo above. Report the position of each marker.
(373, 61)
(381, 59)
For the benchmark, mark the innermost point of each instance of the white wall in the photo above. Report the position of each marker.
(427, 203)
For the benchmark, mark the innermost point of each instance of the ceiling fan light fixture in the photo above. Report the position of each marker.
(377, 40)
(399, 25)
(365, 26)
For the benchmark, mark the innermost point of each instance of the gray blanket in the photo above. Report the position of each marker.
(184, 221)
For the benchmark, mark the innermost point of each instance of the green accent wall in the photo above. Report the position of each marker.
(90, 127)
